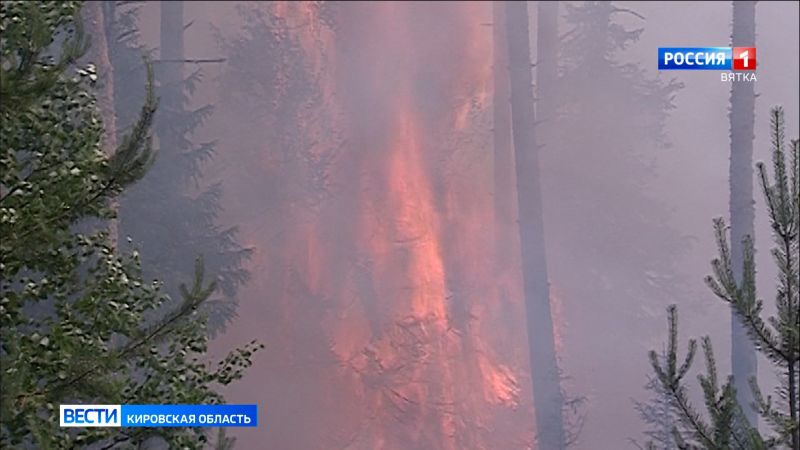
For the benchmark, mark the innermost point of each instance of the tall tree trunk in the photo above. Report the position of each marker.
(170, 74)
(743, 354)
(94, 22)
(546, 70)
(548, 399)
(503, 149)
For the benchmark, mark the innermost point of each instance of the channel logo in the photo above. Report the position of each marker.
(744, 58)
(90, 415)
(707, 58)
(158, 415)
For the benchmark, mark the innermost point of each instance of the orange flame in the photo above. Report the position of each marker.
(410, 305)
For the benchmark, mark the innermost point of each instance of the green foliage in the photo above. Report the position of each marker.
(777, 337)
(658, 414)
(727, 428)
(72, 306)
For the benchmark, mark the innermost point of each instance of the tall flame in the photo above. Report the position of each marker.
(387, 286)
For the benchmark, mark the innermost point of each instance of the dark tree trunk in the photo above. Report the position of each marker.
(170, 74)
(548, 399)
(743, 354)
(504, 225)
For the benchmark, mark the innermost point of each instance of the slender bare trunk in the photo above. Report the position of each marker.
(791, 287)
(170, 74)
(548, 399)
(546, 70)
(743, 354)
(503, 149)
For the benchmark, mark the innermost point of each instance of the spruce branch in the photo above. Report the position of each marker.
(777, 336)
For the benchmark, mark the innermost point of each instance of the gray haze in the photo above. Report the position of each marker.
(308, 402)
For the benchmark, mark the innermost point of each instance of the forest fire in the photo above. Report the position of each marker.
(414, 225)
(411, 314)
(388, 287)
(330, 225)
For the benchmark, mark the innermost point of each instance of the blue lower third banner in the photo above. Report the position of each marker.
(158, 415)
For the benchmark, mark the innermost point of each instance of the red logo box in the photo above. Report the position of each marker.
(744, 58)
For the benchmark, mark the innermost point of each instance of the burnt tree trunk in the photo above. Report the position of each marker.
(170, 74)
(547, 395)
(503, 149)
(743, 354)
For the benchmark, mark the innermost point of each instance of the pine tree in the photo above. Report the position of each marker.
(657, 414)
(285, 162)
(600, 160)
(73, 306)
(170, 215)
(602, 165)
(777, 338)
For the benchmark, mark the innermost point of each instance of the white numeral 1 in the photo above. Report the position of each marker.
(745, 56)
